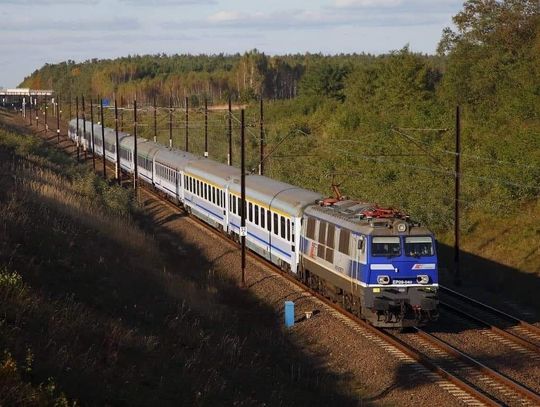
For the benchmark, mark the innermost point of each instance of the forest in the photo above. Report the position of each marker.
(381, 126)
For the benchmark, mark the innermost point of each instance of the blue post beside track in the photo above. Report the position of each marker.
(289, 314)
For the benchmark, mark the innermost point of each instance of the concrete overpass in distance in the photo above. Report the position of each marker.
(34, 100)
(17, 98)
(21, 92)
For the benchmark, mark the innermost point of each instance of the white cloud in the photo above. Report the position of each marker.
(153, 3)
(366, 3)
(47, 2)
(308, 19)
(27, 24)
(226, 16)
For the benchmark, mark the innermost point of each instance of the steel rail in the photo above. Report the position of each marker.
(499, 377)
(501, 314)
(505, 334)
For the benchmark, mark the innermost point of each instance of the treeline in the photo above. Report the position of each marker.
(383, 126)
(215, 77)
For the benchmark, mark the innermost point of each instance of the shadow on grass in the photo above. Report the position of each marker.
(116, 327)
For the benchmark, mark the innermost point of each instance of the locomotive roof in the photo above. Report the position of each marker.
(347, 214)
(276, 194)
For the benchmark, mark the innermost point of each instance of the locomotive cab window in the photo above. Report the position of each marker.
(386, 246)
(417, 246)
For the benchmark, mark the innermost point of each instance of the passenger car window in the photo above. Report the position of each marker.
(269, 220)
(289, 230)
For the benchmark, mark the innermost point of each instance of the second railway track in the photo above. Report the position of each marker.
(513, 329)
(500, 388)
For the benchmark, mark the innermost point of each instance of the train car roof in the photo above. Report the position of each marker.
(276, 194)
(147, 148)
(176, 159)
(346, 217)
(213, 171)
(126, 141)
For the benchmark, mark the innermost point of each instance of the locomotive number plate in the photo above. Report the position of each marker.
(402, 281)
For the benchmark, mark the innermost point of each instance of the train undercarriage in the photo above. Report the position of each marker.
(385, 308)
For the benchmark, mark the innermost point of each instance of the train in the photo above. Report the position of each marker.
(376, 262)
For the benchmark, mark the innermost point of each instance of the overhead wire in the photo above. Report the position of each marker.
(467, 155)
(217, 123)
(447, 172)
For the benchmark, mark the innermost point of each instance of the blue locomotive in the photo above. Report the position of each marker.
(376, 262)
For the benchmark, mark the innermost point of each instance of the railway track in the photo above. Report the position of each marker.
(516, 333)
(435, 365)
(501, 389)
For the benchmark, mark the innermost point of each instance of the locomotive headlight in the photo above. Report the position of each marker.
(422, 279)
(383, 280)
(401, 227)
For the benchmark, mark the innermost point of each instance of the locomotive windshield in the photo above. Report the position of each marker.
(417, 246)
(385, 246)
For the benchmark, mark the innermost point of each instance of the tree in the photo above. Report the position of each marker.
(324, 78)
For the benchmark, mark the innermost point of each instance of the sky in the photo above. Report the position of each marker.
(35, 32)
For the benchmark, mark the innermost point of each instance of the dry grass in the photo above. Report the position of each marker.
(97, 306)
